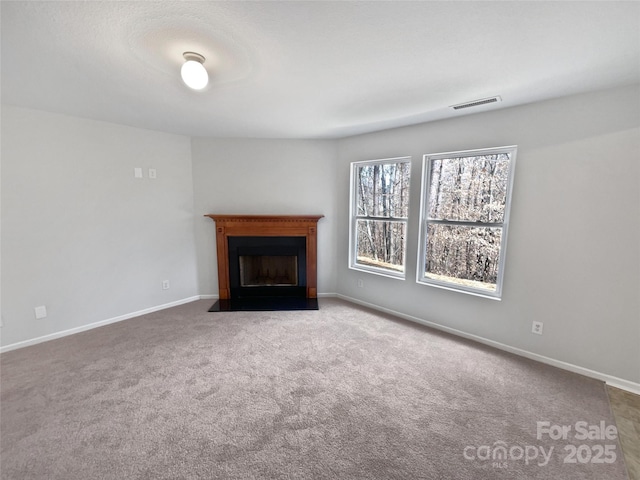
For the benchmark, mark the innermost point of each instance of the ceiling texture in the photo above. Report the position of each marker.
(308, 69)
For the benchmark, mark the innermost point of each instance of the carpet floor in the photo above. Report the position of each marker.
(337, 393)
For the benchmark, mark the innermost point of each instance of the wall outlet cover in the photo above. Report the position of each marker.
(41, 312)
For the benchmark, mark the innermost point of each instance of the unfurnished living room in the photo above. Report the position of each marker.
(320, 240)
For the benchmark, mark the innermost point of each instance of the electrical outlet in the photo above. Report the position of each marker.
(41, 312)
(360, 283)
(165, 285)
(536, 328)
(152, 173)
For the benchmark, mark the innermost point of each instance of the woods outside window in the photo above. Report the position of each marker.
(464, 218)
(379, 212)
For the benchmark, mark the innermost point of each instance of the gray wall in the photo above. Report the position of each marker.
(81, 235)
(264, 176)
(573, 253)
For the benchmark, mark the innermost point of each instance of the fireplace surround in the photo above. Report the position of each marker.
(266, 262)
(267, 266)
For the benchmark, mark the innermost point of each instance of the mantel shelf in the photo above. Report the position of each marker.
(264, 218)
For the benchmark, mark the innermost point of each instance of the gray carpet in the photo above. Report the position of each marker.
(338, 393)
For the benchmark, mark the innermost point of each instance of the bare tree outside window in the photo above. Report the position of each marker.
(464, 219)
(380, 196)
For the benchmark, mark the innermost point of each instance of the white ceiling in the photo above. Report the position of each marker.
(312, 69)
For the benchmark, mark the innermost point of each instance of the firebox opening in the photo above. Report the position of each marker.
(267, 267)
(261, 270)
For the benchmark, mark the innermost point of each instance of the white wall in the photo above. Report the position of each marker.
(80, 235)
(573, 258)
(264, 176)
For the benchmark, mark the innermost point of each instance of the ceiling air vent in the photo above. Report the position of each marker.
(477, 103)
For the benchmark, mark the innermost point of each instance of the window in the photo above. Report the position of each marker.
(379, 211)
(464, 218)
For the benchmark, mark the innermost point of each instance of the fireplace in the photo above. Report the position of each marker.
(266, 262)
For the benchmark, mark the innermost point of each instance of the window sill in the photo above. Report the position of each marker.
(475, 293)
(378, 271)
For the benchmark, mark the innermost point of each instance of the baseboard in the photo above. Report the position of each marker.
(102, 323)
(623, 384)
(327, 295)
(608, 379)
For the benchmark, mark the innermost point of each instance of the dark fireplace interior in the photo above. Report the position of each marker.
(261, 270)
(267, 267)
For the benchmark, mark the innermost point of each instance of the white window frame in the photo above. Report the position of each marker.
(424, 221)
(354, 217)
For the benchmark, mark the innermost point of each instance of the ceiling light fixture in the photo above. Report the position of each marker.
(193, 73)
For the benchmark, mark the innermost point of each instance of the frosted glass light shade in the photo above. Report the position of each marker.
(193, 73)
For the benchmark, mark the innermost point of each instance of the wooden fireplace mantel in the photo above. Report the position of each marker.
(266, 226)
